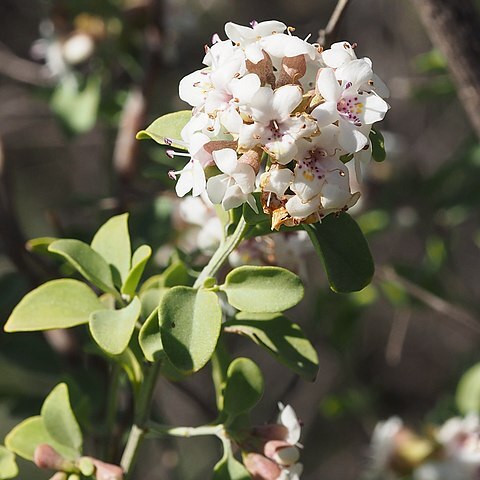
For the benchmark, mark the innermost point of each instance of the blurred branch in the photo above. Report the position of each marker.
(327, 34)
(459, 315)
(454, 28)
(22, 70)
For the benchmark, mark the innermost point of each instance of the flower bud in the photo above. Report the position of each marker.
(282, 452)
(59, 476)
(106, 471)
(47, 457)
(260, 467)
(252, 158)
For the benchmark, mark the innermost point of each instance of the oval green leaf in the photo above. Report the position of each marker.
(166, 130)
(243, 388)
(346, 257)
(190, 323)
(149, 338)
(262, 289)
(87, 261)
(112, 242)
(468, 391)
(59, 419)
(60, 303)
(25, 437)
(112, 329)
(139, 259)
(284, 340)
(8, 465)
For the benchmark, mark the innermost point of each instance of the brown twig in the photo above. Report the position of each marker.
(455, 313)
(454, 28)
(23, 70)
(325, 35)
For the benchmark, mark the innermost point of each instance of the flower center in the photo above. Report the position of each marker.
(350, 108)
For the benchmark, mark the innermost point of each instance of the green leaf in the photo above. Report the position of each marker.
(262, 289)
(176, 274)
(378, 145)
(40, 244)
(346, 257)
(112, 329)
(60, 303)
(190, 323)
(251, 217)
(8, 466)
(283, 339)
(139, 259)
(243, 388)
(112, 242)
(59, 419)
(166, 129)
(25, 437)
(149, 338)
(468, 391)
(76, 107)
(87, 261)
(229, 468)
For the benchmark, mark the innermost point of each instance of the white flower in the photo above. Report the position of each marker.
(235, 185)
(384, 443)
(250, 38)
(192, 177)
(345, 104)
(288, 418)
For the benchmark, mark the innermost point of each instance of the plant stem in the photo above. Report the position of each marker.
(111, 410)
(221, 255)
(158, 430)
(142, 410)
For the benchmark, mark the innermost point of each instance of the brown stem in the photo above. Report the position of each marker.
(327, 34)
(454, 28)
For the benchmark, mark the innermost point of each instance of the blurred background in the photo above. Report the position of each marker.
(78, 79)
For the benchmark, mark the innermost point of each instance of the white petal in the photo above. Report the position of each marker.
(198, 176)
(283, 45)
(350, 138)
(325, 114)
(231, 120)
(244, 177)
(356, 72)
(338, 54)
(217, 187)
(239, 33)
(279, 179)
(244, 89)
(254, 52)
(269, 27)
(250, 134)
(306, 184)
(251, 201)
(284, 150)
(261, 105)
(296, 208)
(185, 182)
(198, 122)
(289, 419)
(285, 100)
(380, 87)
(328, 86)
(226, 160)
(192, 88)
(234, 197)
(374, 110)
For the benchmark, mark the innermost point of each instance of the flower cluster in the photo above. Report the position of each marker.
(271, 451)
(268, 101)
(449, 452)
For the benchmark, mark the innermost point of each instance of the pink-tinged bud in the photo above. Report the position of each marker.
(47, 457)
(252, 158)
(271, 432)
(281, 452)
(260, 467)
(107, 471)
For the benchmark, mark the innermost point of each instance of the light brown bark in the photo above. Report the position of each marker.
(454, 28)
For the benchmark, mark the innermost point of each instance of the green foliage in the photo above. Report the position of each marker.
(284, 340)
(112, 329)
(346, 257)
(60, 420)
(56, 426)
(139, 260)
(8, 466)
(468, 391)
(262, 289)
(112, 243)
(61, 303)
(149, 338)
(86, 261)
(166, 129)
(243, 388)
(190, 323)
(378, 145)
(228, 468)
